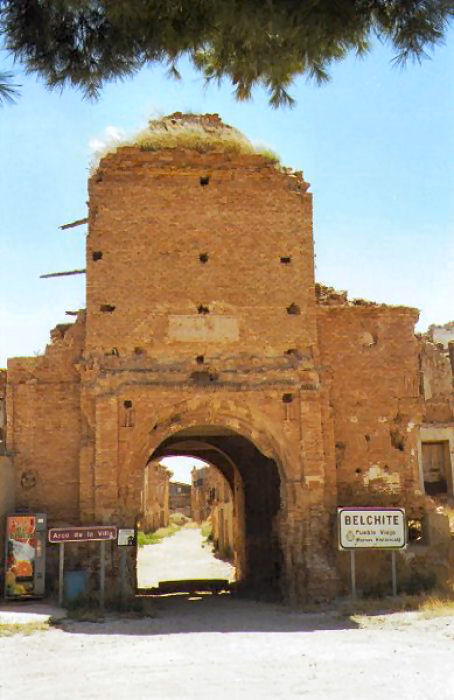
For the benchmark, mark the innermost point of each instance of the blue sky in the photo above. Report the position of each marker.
(376, 144)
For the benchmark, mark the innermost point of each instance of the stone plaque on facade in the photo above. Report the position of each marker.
(210, 328)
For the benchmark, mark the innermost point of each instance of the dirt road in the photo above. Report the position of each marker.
(215, 647)
(181, 556)
(219, 647)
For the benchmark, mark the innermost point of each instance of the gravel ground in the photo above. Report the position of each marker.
(206, 647)
(219, 647)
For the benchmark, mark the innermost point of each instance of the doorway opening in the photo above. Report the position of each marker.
(233, 501)
(437, 468)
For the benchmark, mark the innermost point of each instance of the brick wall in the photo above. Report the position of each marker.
(370, 360)
(44, 425)
(192, 269)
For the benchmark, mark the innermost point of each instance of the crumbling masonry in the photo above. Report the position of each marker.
(204, 334)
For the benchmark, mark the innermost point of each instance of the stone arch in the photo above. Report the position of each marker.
(255, 451)
(229, 414)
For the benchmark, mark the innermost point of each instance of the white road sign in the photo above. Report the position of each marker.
(126, 536)
(371, 528)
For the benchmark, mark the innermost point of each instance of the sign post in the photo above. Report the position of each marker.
(126, 538)
(94, 533)
(61, 565)
(372, 528)
(353, 572)
(394, 572)
(102, 573)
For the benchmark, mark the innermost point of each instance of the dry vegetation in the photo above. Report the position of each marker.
(27, 628)
(188, 132)
(436, 604)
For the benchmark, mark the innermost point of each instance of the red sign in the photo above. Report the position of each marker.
(95, 533)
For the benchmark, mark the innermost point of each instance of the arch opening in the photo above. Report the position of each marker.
(245, 512)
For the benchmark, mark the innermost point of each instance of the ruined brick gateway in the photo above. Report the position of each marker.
(204, 334)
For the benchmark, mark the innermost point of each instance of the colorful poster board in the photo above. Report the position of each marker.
(21, 553)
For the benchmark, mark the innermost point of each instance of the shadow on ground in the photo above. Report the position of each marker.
(208, 614)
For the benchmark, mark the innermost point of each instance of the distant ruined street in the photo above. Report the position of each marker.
(184, 555)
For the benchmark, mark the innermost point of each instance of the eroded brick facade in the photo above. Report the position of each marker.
(204, 335)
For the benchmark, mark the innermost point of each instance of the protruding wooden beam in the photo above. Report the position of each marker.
(73, 224)
(62, 274)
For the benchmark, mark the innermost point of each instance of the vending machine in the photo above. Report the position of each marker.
(25, 563)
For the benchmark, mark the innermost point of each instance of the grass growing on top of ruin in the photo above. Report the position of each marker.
(197, 139)
(189, 132)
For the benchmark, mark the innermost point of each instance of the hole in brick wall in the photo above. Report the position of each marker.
(358, 471)
(204, 180)
(203, 309)
(293, 309)
(28, 479)
(287, 398)
(294, 353)
(200, 359)
(368, 339)
(96, 255)
(286, 260)
(203, 257)
(340, 453)
(367, 438)
(415, 530)
(107, 308)
(203, 377)
(139, 351)
(127, 419)
(397, 440)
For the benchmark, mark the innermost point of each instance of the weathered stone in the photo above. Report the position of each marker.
(205, 335)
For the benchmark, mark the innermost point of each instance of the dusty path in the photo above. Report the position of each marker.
(180, 556)
(219, 647)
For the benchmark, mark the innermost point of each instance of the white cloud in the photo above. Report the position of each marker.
(114, 133)
(96, 145)
(110, 135)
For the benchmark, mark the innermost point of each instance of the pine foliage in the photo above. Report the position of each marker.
(8, 90)
(85, 43)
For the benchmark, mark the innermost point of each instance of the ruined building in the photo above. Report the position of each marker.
(437, 427)
(212, 501)
(180, 498)
(155, 497)
(205, 335)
